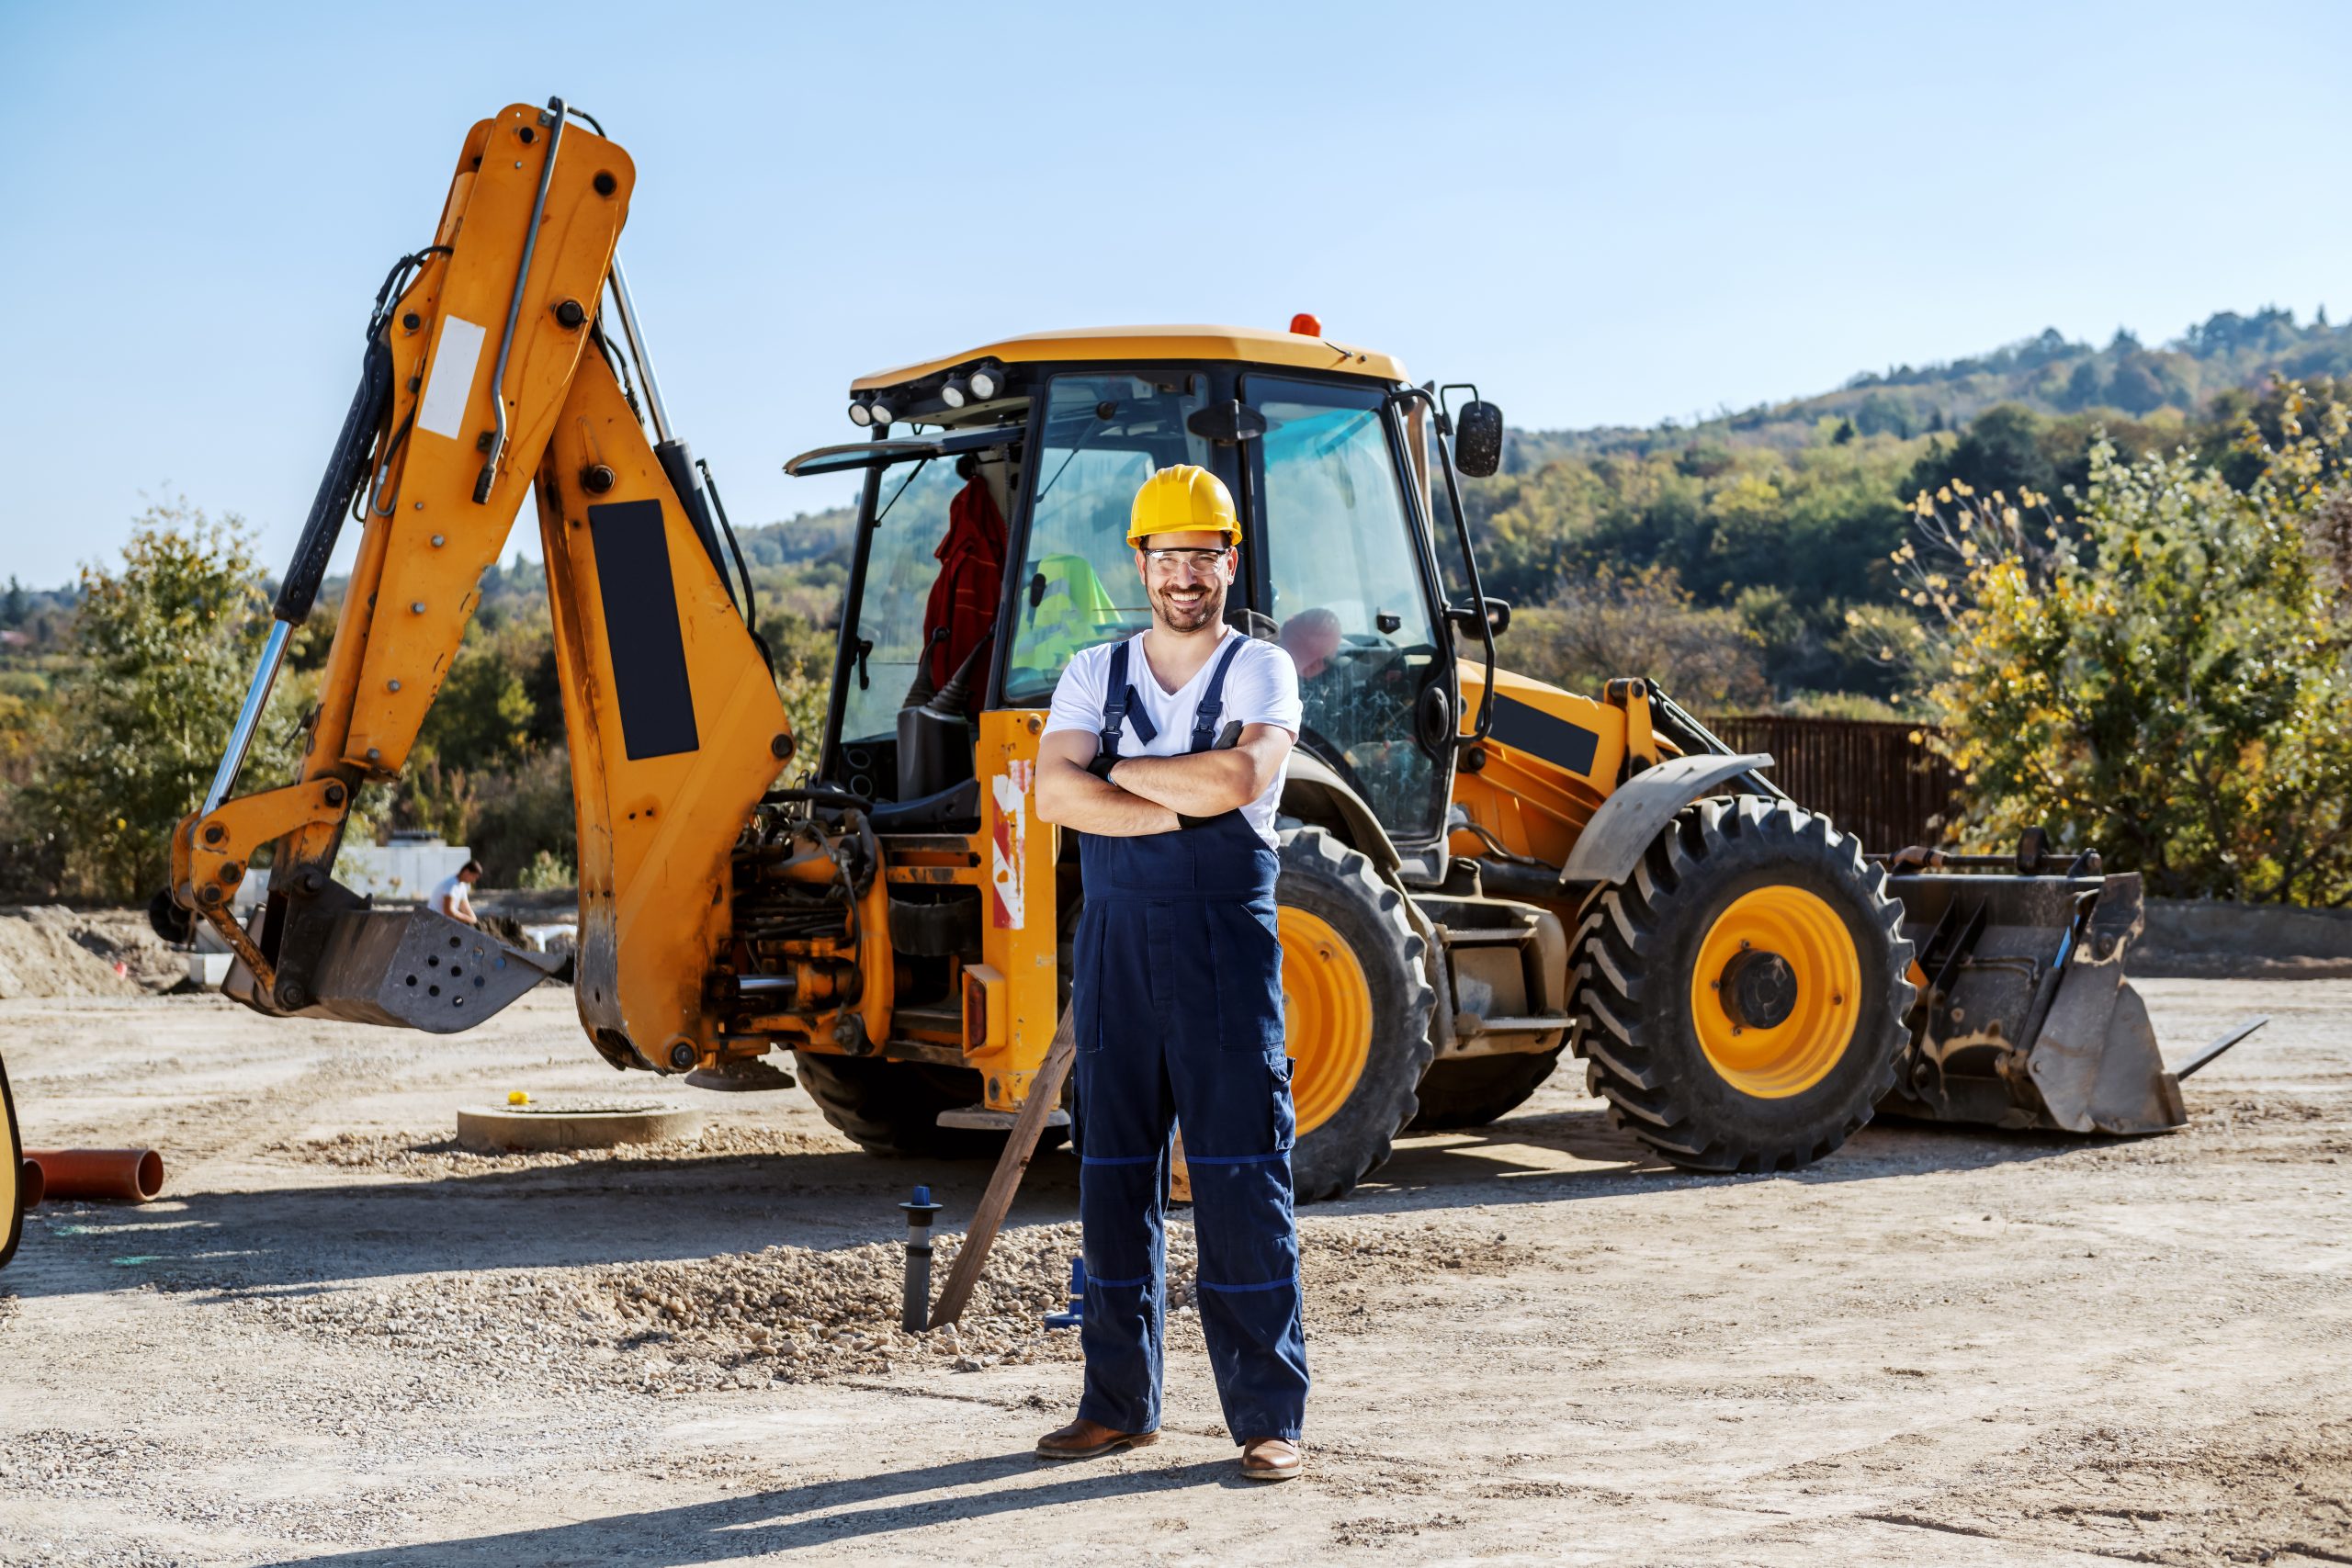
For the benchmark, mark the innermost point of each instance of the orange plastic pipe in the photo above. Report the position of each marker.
(133, 1174)
(31, 1182)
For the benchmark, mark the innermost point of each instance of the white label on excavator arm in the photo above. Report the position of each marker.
(443, 409)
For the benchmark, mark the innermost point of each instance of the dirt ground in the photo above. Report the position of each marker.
(338, 1340)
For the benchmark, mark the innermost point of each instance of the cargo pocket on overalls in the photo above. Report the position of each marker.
(1247, 958)
(1285, 1113)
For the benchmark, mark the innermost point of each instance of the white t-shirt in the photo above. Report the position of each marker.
(449, 897)
(1261, 688)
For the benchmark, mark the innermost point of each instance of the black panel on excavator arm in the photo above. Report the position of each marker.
(640, 604)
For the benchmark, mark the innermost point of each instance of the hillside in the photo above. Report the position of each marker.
(2047, 373)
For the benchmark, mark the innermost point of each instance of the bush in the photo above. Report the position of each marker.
(548, 870)
(1641, 623)
(2165, 679)
(524, 815)
(162, 649)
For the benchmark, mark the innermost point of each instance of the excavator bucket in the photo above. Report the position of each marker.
(2024, 1017)
(409, 968)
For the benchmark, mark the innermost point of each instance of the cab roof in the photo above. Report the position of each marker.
(1248, 345)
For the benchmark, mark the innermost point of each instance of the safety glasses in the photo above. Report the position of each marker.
(1200, 561)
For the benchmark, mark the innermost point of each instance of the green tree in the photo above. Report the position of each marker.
(2166, 679)
(483, 716)
(160, 651)
(1641, 623)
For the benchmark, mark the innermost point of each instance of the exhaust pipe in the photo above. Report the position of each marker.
(131, 1175)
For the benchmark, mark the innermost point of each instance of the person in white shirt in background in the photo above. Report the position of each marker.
(450, 897)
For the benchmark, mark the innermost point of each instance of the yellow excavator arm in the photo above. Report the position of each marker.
(489, 370)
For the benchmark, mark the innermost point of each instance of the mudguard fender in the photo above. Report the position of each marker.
(1314, 792)
(1637, 811)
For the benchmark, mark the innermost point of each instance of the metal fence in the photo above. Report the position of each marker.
(1871, 778)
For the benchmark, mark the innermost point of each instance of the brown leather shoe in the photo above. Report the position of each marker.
(1271, 1458)
(1090, 1439)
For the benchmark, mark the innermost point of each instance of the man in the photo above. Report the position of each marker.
(1177, 990)
(451, 896)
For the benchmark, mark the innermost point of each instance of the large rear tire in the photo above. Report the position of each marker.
(892, 1107)
(1356, 1005)
(1741, 998)
(1479, 1089)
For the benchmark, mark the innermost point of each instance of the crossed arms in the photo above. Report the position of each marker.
(1147, 794)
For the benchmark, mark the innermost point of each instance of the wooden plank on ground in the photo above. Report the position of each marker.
(1045, 1095)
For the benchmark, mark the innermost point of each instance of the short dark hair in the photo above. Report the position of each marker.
(473, 865)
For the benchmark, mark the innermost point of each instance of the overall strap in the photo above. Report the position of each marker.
(1213, 700)
(1116, 693)
(1120, 707)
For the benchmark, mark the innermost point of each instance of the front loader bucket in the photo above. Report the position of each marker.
(2024, 1017)
(408, 968)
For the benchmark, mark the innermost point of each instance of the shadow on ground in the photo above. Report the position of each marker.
(735, 1529)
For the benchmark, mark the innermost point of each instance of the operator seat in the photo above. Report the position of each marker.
(1066, 608)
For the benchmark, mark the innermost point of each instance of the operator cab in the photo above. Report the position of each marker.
(1325, 449)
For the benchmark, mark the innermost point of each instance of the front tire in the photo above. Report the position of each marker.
(1741, 998)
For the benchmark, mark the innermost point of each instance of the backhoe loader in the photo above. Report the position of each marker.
(1480, 871)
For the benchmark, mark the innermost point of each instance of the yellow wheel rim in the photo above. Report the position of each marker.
(1797, 1051)
(1327, 1016)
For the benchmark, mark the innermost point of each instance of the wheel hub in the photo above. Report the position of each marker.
(1776, 991)
(1758, 989)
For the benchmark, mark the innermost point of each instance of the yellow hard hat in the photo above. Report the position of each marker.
(1184, 498)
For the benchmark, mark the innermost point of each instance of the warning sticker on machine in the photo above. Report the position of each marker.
(442, 410)
(1007, 853)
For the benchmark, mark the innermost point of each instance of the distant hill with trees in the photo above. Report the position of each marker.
(2047, 374)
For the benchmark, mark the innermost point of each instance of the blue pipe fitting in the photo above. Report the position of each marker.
(1077, 1313)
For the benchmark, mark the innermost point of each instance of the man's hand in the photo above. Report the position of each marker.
(1207, 783)
(1071, 795)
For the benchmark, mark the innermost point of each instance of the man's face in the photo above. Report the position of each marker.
(469, 877)
(1187, 587)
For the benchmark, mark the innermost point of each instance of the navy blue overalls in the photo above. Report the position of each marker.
(1177, 999)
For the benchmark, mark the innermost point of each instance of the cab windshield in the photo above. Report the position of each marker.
(1104, 436)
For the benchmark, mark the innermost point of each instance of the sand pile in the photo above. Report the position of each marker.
(54, 951)
(801, 1315)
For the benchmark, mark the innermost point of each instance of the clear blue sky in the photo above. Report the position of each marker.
(1604, 216)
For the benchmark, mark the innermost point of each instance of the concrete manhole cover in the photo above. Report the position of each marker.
(574, 1124)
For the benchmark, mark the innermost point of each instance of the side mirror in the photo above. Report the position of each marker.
(1478, 439)
(1463, 618)
(12, 1175)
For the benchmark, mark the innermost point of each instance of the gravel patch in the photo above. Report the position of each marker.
(422, 1155)
(800, 1314)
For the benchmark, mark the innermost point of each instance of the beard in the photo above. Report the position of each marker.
(1184, 612)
